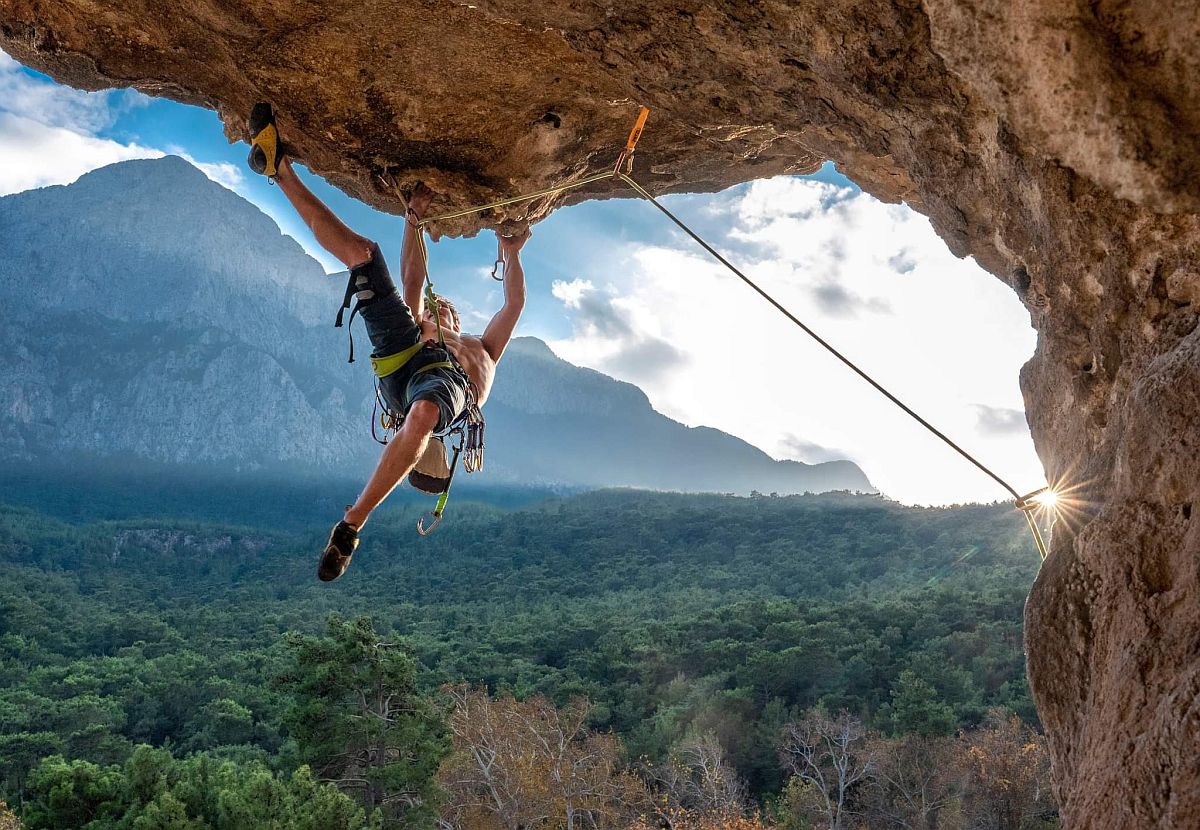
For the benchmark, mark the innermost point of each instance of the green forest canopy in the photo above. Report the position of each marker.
(673, 613)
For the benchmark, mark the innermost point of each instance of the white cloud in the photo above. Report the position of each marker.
(999, 420)
(221, 172)
(36, 155)
(810, 452)
(571, 293)
(621, 332)
(48, 132)
(875, 281)
(53, 105)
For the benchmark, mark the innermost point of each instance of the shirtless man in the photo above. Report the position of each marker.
(429, 397)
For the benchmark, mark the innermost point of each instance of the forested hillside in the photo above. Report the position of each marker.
(678, 618)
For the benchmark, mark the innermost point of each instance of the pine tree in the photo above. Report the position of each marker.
(916, 710)
(361, 722)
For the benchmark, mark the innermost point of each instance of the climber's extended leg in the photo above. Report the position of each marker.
(332, 234)
(397, 461)
(268, 157)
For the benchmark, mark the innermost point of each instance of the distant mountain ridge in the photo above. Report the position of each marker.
(557, 408)
(153, 314)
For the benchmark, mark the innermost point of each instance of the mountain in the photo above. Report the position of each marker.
(152, 315)
(575, 424)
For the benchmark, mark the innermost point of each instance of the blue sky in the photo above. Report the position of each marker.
(613, 286)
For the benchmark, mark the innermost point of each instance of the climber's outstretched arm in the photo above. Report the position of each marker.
(500, 330)
(412, 264)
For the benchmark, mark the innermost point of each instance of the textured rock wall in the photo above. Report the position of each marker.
(1055, 141)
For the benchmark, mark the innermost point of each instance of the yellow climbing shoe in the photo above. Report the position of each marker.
(266, 150)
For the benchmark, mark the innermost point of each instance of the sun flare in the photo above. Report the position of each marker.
(1048, 498)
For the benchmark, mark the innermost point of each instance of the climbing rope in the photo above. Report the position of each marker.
(1027, 504)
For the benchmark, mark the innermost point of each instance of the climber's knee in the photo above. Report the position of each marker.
(371, 277)
(422, 417)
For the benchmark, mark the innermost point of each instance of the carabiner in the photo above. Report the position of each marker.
(498, 265)
(425, 531)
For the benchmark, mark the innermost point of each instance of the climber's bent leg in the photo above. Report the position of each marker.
(444, 387)
(397, 461)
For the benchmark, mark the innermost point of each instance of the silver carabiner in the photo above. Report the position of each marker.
(425, 531)
(498, 265)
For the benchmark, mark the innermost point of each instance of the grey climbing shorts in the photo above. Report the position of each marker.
(444, 386)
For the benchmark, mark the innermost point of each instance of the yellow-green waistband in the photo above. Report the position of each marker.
(392, 363)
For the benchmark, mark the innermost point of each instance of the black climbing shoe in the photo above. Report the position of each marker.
(343, 539)
(266, 150)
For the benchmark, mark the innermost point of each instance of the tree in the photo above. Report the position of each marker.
(361, 722)
(21, 751)
(521, 764)
(829, 756)
(154, 791)
(914, 782)
(1008, 774)
(915, 708)
(697, 784)
(61, 793)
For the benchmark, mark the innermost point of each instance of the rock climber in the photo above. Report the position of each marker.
(427, 377)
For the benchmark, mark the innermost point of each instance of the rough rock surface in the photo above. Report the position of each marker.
(1058, 142)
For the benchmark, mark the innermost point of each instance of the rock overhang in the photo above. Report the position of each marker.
(1058, 142)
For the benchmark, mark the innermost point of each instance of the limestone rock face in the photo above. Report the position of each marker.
(1057, 141)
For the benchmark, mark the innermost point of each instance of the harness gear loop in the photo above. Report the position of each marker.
(386, 421)
(473, 459)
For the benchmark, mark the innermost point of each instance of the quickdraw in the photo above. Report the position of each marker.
(469, 429)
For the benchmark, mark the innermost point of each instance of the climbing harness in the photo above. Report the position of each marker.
(1027, 504)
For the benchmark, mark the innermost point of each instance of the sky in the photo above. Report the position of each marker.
(615, 287)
